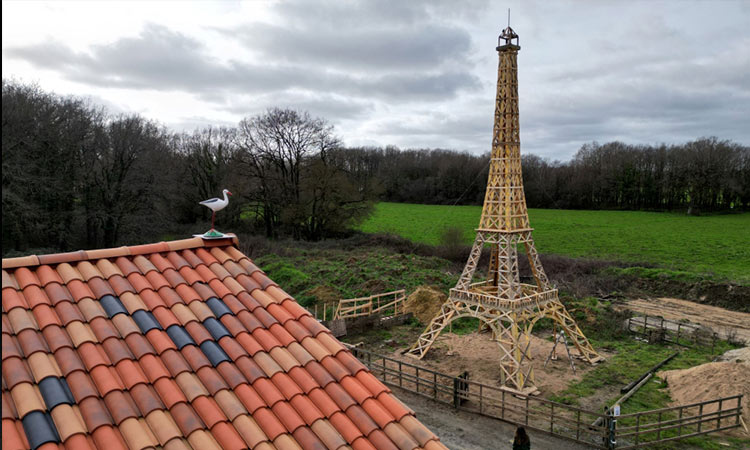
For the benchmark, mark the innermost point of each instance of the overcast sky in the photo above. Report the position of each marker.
(405, 73)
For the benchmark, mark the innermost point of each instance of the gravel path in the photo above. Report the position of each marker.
(461, 430)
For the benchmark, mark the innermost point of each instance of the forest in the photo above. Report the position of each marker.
(76, 176)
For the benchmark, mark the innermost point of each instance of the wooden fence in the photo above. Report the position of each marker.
(561, 420)
(564, 421)
(647, 428)
(660, 329)
(387, 304)
(326, 311)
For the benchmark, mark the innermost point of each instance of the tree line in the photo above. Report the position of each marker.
(76, 176)
(702, 176)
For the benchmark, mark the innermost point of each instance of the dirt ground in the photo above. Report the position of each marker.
(461, 430)
(476, 353)
(724, 322)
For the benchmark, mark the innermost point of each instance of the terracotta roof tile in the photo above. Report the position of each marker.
(109, 437)
(353, 365)
(229, 404)
(163, 426)
(328, 434)
(108, 269)
(16, 371)
(268, 391)
(181, 344)
(137, 434)
(26, 398)
(303, 379)
(346, 427)
(21, 319)
(306, 409)
(208, 410)
(190, 385)
(186, 418)
(250, 431)
(324, 402)
(227, 436)
(203, 440)
(43, 365)
(120, 406)
(81, 385)
(169, 392)
(307, 438)
(67, 421)
(435, 445)
(94, 413)
(269, 423)
(362, 444)
(381, 441)
(249, 398)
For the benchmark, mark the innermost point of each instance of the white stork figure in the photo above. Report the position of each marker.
(216, 204)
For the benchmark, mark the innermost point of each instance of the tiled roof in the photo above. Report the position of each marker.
(182, 344)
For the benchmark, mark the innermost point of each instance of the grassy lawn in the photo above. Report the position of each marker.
(716, 246)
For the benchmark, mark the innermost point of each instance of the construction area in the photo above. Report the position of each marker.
(519, 354)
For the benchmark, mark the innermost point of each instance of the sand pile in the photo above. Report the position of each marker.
(709, 382)
(425, 303)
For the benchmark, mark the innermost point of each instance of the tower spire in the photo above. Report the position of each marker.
(510, 308)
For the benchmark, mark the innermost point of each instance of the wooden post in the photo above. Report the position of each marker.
(739, 412)
(400, 374)
(551, 417)
(700, 417)
(679, 427)
(658, 429)
(637, 428)
(502, 402)
(434, 384)
(527, 410)
(578, 423)
(316, 311)
(480, 399)
(718, 416)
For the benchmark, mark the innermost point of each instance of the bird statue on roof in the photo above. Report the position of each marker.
(215, 204)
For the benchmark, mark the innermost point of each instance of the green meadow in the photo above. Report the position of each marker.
(715, 246)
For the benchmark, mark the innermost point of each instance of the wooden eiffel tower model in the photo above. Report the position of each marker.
(504, 304)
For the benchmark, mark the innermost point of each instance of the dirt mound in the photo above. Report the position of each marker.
(325, 294)
(709, 382)
(425, 303)
(741, 355)
(731, 325)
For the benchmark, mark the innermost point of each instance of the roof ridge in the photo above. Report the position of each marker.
(114, 252)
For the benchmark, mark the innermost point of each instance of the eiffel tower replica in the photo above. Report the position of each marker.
(501, 302)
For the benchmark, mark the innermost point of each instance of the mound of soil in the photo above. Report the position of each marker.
(325, 294)
(709, 382)
(741, 355)
(425, 303)
(733, 325)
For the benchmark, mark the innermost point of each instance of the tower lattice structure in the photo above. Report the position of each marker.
(504, 304)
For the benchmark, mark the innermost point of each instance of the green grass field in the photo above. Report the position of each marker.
(717, 246)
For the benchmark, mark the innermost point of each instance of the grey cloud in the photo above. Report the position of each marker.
(363, 13)
(192, 123)
(319, 105)
(374, 48)
(162, 59)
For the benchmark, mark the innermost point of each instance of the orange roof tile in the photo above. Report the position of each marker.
(179, 344)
